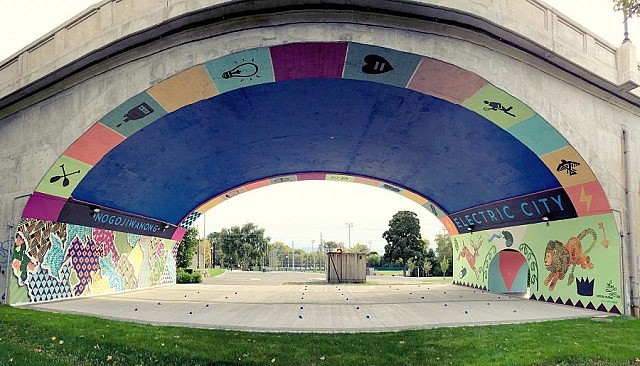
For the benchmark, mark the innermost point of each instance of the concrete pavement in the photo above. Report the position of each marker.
(302, 302)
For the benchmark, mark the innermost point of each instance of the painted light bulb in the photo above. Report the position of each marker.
(244, 70)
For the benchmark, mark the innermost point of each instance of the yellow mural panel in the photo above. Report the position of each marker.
(185, 88)
(99, 285)
(414, 197)
(568, 167)
(340, 178)
(136, 257)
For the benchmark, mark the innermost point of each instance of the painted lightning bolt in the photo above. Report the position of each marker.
(586, 198)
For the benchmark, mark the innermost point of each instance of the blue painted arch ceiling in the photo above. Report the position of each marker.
(314, 125)
(451, 146)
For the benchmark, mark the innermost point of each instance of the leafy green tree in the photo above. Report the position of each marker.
(359, 248)
(628, 7)
(373, 259)
(244, 246)
(300, 258)
(444, 265)
(426, 266)
(331, 246)
(216, 249)
(444, 249)
(422, 264)
(278, 251)
(403, 238)
(187, 248)
(434, 265)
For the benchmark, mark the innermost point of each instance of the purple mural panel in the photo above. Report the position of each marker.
(311, 176)
(308, 60)
(84, 259)
(44, 207)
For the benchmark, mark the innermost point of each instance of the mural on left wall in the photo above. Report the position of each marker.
(55, 261)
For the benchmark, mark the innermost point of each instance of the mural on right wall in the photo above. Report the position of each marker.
(572, 262)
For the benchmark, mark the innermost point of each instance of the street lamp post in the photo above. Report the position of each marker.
(349, 226)
(417, 266)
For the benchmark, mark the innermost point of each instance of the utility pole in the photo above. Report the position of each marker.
(349, 226)
(293, 257)
(313, 255)
(322, 251)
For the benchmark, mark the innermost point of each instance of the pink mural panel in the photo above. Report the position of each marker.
(311, 176)
(588, 199)
(445, 81)
(94, 144)
(178, 234)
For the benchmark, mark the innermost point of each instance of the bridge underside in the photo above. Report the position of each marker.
(107, 215)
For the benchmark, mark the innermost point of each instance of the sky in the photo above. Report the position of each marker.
(300, 213)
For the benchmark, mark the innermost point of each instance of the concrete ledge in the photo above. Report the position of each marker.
(111, 27)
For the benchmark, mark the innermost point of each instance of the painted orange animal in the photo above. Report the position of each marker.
(471, 258)
(559, 257)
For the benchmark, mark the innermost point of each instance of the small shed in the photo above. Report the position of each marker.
(346, 267)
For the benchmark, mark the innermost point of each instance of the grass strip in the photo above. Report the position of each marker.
(30, 337)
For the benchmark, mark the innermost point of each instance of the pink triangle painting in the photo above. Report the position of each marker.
(510, 262)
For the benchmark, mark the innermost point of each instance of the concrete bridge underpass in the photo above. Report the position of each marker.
(513, 125)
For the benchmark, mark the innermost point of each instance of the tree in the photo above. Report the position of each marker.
(444, 265)
(278, 251)
(426, 266)
(403, 238)
(432, 260)
(331, 246)
(216, 249)
(444, 249)
(187, 248)
(244, 246)
(359, 248)
(373, 259)
(204, 250)
(628, 7)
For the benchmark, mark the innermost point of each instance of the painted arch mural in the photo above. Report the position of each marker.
(493, 171)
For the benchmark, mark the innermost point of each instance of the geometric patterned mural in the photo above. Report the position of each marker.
(55, 261)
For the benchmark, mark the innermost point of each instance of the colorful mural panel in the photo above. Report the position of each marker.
(572, 262)
(55, 260)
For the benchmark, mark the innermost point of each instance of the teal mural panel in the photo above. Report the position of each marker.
(132, 115)
(495, 282)
(538, 135)
(380, 65)
(241, 69)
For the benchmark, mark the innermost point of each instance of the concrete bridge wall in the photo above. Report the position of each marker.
(59, 86)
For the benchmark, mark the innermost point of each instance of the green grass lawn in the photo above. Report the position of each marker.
(388, 273)
(214, 272)
(29, 337)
